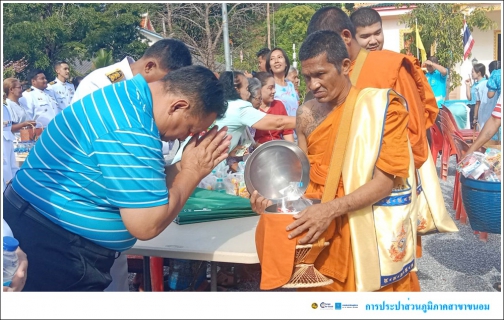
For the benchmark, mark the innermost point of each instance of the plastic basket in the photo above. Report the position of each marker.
(482, 202)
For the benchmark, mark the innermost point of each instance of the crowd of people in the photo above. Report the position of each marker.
(97, 178)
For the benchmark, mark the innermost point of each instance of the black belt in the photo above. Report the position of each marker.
(23, 206)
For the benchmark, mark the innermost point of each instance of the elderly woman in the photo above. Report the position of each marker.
(271, 106)
(293, 76)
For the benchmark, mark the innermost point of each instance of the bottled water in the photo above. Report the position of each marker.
(219, 186)
(10, 259)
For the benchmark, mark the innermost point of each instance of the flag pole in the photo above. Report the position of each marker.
(416, 44)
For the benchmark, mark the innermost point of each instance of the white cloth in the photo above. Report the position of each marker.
(98, 79)
(239, 115)
(10, 166)
(63, 92)
(42, 106)
(18, 112)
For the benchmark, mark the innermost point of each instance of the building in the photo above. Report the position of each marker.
(487, 45)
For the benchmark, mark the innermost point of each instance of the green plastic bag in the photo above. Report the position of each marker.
(206, 205)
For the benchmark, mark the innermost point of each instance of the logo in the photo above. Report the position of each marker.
(314, 305)
(326, 306)
(337, 306)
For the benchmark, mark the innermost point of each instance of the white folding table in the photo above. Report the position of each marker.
(230, 240)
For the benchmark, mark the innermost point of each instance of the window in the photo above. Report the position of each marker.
(497, 45)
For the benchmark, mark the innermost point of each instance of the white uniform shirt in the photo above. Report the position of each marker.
(105, 76)
(62, 91)
(42, 105)
(19, 111)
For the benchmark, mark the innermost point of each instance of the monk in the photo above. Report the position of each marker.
(325, 65)
(386, 69)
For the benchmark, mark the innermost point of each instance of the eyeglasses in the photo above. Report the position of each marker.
(16, 87)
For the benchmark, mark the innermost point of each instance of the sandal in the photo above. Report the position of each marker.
(497, 286)
(225, 279)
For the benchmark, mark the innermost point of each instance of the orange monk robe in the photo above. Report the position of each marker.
(391, 70)
(337, 261)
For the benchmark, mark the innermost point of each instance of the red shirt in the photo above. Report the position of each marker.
(262, 136)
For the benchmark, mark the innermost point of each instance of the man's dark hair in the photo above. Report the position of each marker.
(32, 75)
(59, 63)
(263, 53)
(287, 61)
(326, 41)
(199, 84)
(434, 59)
(494, 65)
(76, 81)
(364, 17)
(171, 54)
(330, 18)
(229, 82)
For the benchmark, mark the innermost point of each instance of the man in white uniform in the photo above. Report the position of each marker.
(42, 105)
(162, 57)
(63, 90)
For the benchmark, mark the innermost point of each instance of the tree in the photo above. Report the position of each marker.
(47, 32)
(12, 69)
(199, 25)
(103, 59)
(442, 23)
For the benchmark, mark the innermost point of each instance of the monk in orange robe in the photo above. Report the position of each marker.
(317, 124)
(388, 69)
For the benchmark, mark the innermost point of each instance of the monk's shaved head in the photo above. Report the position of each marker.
(330, 18)
(364, 17)
(324, 41)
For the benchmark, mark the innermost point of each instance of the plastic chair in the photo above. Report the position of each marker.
(437, 141)
(467, 134)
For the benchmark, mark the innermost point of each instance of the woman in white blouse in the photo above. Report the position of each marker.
(18, 110)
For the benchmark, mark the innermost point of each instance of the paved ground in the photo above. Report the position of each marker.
(450, 262)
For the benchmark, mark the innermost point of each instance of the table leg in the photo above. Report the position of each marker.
(213, 276)
(146, 274)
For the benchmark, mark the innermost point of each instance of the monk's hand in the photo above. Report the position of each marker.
(316, 219)
(259, 203)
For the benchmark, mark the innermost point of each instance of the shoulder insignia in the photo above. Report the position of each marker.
(115, 76)
(52, 83)
(28, 90)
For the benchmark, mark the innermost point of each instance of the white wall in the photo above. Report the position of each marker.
(391, 31)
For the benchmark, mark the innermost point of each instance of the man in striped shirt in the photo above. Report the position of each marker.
(95, 181)
(162, 57)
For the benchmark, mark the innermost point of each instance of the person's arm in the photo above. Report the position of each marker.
(289, 137)
(201, 156)
(438, 67)
(489, 130)
(18, 126)
(275, 122)
(317, 218)
(490, 94)
(468, 89)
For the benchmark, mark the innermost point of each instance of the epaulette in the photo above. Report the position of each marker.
(28, 90)
(115, 76)
(52, 83)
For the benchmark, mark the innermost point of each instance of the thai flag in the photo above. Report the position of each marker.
(468, 41)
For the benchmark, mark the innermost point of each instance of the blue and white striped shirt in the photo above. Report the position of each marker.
(101, 153)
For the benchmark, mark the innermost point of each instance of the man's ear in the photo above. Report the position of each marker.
(150, 66)
(179, 105)
(347, 36)
(345, 66)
